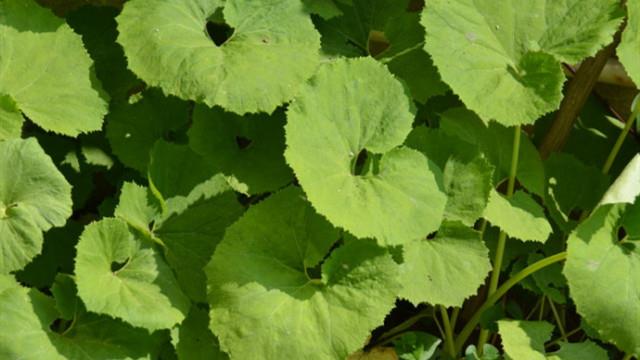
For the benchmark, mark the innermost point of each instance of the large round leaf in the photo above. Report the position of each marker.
(47, 72)
(119, 275)
(272, 297)
(248, 147)
(604, 277)
(273, 49)
(34, 197)
(503, 57)
(353, 107)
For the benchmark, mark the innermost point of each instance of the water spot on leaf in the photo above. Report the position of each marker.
(471, 36)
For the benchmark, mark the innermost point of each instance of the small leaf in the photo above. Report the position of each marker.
(519, 216)
(414, 345)
(629, 47)
(524, 339)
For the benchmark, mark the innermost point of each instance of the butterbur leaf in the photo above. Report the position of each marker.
(467, 185)
(38, 53)
(489, 352)
(134, 207)
(248, 147)
(194, 341)
(191, 233)
(496, 143)
(445, 270)
(10, 118)
(524, 339)
(139, 281)
(512, 50)
(30, 331)
(395, 197)
(519, 216)
(257, 68)
(327, 9)
(388, 31)
(414, 345)
(571, 186)
(439, 146)
(629, 47)
(587, 350)
(603, 279)
(176, 169)
(34, 197)
(626, 187)
(272, 296)
(133, 128)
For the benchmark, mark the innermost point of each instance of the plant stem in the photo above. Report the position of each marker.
(454, 318)
(492, 299)
(563, 333)
(404, 325)
(623, 135)
(448, 332)
(541, 313)
(570, 333)
(502, 238)
(578, 91)
(627, 357)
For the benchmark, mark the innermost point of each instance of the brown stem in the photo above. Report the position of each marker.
(576, 96)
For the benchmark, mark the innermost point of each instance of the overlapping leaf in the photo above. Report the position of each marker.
(396, 197)
(46, 72)
(519, 216)
(389, 31)
(525, 340)
(603, 277)
(28, 333)
(248, 147)
(133, 128)
(272, 51)
(34, 197)
(629, 47)
(194, 341)
(273, 296)
(138, 280)
(445, 270)
(512, 50)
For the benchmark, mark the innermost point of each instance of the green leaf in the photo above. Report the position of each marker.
(138, 280)
(272, 51)
(97, 25)
(626, 187)
(496, 143)
(10, 118)
(395, 200)
(327, 9)
(439, 146)
(191, 234)
(389, 31)
(27, 331)
(467, 185)
(489, 352)
(524, 339)
(34, 197)
(512, 50)
(579, 351)
(571, 186)
(445, 270)
(272, 296)
(247, 147)
(133, 128)
(414, 345)
(519, 216)
(194, 341)
(175, 169)
(134, 207)
(629, 47)
(38, 53)
(603, 277)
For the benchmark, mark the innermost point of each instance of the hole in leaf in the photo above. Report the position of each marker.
(315, 272)
(358, 163)
(117, 266)
(243, 142)
(622, 233)
(60, 325)
(219, 33)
